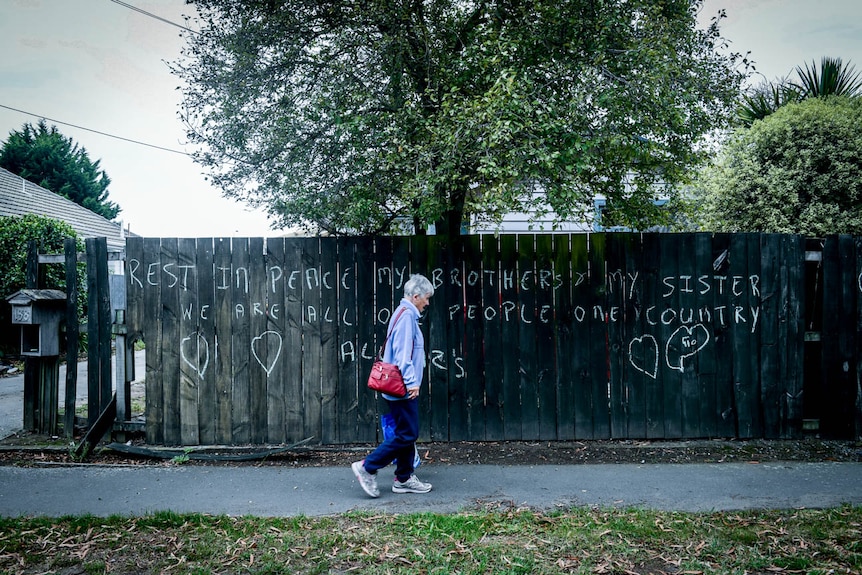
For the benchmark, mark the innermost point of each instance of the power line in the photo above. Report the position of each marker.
(151, 15)
(96, 131)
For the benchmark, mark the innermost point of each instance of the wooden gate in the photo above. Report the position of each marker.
(530, 337)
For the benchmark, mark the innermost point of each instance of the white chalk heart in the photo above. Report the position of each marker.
(643, 354)
(198, 349)
(685, 342)
(264, 340)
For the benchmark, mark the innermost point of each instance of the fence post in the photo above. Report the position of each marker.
(31, 365)
(98, 329)
(72, 335)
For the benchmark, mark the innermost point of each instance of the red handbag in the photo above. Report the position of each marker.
(386, 377)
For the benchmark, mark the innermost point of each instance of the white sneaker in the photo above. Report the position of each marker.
(366, 480)
(412, 485)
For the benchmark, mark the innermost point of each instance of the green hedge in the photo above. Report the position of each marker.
(16, 232)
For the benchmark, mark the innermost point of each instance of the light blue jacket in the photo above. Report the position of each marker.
(406, 346)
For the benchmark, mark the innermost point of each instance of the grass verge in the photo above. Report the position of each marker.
(493, 540)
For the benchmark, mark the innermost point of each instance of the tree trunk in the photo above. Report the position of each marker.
(450, 222)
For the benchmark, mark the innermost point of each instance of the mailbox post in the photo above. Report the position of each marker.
(39, 312)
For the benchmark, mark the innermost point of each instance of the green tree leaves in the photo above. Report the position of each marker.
(363, 117)
(47, 158)
(799, 170)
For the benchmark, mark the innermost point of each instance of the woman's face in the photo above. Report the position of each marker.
(421, 301)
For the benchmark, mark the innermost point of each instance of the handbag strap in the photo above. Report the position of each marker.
(389, 332)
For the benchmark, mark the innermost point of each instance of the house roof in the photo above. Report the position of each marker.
(19, 197)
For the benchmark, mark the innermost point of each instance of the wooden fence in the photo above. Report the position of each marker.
(545, 337)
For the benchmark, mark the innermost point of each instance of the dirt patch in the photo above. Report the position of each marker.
(26, 449)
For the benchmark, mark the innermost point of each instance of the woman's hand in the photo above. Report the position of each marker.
(413, 393)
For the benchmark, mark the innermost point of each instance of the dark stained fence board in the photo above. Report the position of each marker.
(205, 314)
(171, 333)
(722, 341)
(492, 350)
(706, 395)
(274, 338)
(240, 346)
(616, 246)
(848, 381)
(193, 347)
(770, 386)
(98, 331)
(135, 271)
(635, 378)
(311, 337)
(438, 380)
(857, 432)
(839, 386)
(106, 379)
(671, 340)
(580, 351)
(474, 380)
(527, 335)
(366, 408)
(222, 341)
(598, 343)
(564, 339)
(791, 335)
(259, 361)
(294, 400)
(746, 262)
(692, 335)
(453, 273)
(831, 355)
(347, 390)
(70, 250)
(647, 353)
(545, 282)
(329, 313)
(383, 307)
(509, 338)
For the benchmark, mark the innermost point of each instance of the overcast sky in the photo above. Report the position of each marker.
(100, 65)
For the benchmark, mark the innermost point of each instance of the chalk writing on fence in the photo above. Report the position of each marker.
(680, 303)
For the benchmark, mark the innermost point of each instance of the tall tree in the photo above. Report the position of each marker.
(799, 170)
(359, 117)
(45, 157)
(833, 78)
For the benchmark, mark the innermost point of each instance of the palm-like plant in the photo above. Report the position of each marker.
(834, 78)
(766, 99)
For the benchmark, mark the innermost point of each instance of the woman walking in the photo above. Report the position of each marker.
(405, 347)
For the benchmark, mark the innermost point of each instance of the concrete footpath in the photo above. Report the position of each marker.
(56, 490)
(285, 491)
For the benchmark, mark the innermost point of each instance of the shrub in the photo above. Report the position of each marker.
(16, 232)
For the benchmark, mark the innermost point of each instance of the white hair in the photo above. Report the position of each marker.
(418, 285)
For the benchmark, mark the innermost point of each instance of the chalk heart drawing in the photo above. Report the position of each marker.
(685, 342)
(643, 354)
(262, 342)
(196, 347)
